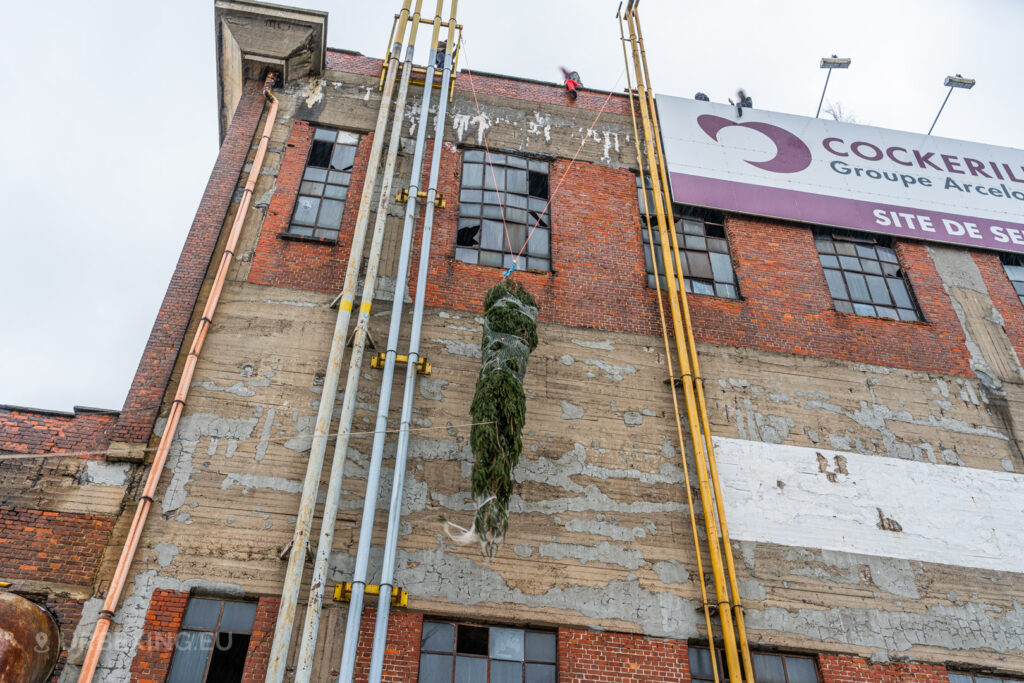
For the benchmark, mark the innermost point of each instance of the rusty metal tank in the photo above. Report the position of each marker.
(29, 641)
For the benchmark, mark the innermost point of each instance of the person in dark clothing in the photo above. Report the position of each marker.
(439, 56)
(744, 102)
(572, 82)
(701, 97)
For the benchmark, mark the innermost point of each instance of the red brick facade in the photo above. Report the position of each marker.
(402, 654)
(24, 430)
(1003, 296)
(165, 340)
(152, 660)
(598, 270)
(306, 263)
(156, 645)
(491, 84)
(590, 656)
(62, 547)
(258, 656)
(841, 669)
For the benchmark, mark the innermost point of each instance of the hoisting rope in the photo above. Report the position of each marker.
(487, 159)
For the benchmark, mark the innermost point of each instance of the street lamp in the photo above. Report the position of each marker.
(830, 63)
(957, 81)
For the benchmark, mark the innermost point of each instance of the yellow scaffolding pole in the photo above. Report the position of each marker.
(722, 564)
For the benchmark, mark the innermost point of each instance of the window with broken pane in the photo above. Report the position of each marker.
(864, 274)
(1013, 264)
(980, 678)
(213, 641)
(503, 205)
(703, 247)
(468, 653)
(768, 667)
(324, 186)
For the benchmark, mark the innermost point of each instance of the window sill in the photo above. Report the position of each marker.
(504, 268)
(888, 320)
(303, 238)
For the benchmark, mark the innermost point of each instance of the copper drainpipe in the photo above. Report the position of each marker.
(99, 635)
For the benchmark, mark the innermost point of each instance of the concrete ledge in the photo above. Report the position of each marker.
(254, 38)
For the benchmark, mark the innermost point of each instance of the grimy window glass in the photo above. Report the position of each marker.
(213, 641)
(864, 275)
(768, 668)
(1013, 264)
(703, 248)
(324, 187)
(980, 678)
(457, 653)
(516, 187)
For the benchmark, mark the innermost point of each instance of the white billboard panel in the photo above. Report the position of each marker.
(903, 184)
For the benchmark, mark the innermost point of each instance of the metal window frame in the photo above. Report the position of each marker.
(216, 631)
(298, 194)
(717, 652)
(843, 235)
(699, 214)
(504, 193)
(454, 652)
(1012, 259)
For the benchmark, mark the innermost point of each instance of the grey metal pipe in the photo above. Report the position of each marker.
(321, 561)
(380, 631)
(359, 578)
(314, 467)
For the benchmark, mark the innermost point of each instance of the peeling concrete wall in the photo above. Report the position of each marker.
(599, 534)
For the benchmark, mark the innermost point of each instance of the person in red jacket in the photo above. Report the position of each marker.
(572, 82)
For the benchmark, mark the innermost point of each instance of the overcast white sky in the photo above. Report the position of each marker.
(109, 128)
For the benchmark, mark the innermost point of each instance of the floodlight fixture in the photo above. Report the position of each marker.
(959, 81)
(830, 63)
(834, 62)
(951, 82)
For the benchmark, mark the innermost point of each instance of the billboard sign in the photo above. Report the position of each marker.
(907, 185)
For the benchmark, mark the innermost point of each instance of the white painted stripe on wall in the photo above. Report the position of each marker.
(947, 515)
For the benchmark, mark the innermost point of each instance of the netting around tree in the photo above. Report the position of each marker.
(499, 405)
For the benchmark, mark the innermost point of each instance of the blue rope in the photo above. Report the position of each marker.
(511, 270)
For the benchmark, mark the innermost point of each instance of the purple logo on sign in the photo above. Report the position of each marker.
(791, 154)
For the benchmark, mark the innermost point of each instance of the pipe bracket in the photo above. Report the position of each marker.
(343, 593)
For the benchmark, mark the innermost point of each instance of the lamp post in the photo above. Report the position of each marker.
(957, 81)
(830, 63)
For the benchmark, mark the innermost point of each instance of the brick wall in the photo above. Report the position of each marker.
(25, 430)
(841, 669)
(156, 645)
(787, 307)
(586, 656)
(467, 82)
(598, 270)
(598, 281)
(306, 263)
(163, 622)
(257, 658)
(40, 545)
(165, 340)
(1003, 296)
(402, 653)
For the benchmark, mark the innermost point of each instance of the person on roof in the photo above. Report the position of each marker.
(572, 82)
(744, 102)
